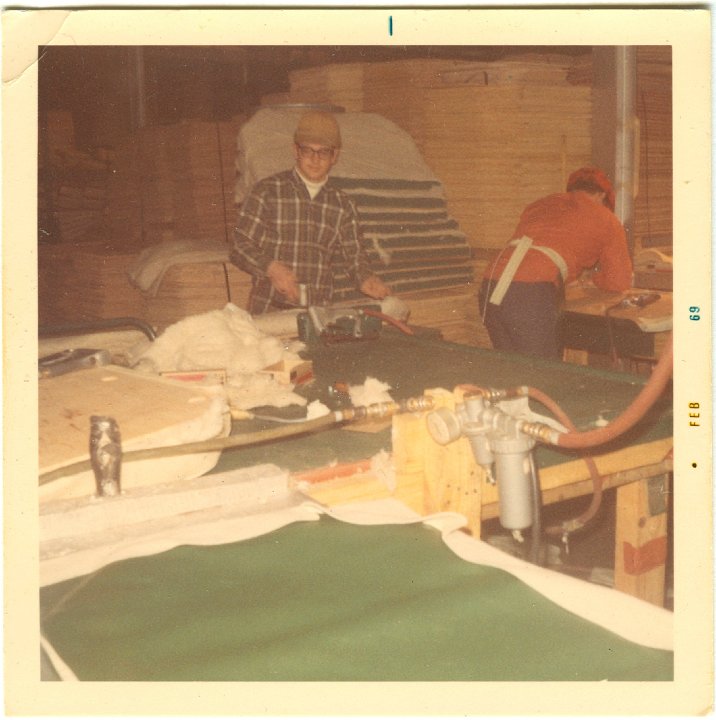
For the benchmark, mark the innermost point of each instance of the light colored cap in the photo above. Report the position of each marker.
(318, 127)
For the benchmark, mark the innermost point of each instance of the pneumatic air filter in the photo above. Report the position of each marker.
(514, 481)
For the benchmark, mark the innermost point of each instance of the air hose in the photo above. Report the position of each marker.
(642, 403)
(374, 411)
(597, 481)
(574, 439)
(212, 445)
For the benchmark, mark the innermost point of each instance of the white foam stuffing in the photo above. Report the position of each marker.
(371, 391)
(395, 308)
(383, 468)
(316, 409)
(224, 339)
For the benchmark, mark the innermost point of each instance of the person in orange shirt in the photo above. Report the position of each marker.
(556, 239)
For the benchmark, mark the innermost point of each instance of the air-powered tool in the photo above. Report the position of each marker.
(327, 325)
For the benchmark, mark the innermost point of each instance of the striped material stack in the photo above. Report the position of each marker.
(409, 237)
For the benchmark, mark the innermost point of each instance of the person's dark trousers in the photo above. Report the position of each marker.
(526, 320)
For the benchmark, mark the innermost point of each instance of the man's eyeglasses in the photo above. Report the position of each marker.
(322, 153)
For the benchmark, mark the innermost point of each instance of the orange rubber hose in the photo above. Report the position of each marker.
(635, 412)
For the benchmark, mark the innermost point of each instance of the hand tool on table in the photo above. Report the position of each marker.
(348, 322)
(69, 360)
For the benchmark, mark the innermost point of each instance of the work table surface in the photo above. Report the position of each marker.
(412, 364)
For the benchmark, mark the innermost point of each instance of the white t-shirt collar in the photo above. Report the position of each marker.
(313, 187)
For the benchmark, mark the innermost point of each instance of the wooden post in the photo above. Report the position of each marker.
(641, 541)
(450, 477)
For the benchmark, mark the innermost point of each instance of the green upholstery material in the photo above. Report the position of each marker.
(323, 601)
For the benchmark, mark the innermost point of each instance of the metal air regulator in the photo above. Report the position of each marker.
(497, 439)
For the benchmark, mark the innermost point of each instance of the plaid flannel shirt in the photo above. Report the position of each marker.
(279, 221)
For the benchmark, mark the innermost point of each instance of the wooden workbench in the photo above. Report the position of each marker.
(430, 478)
(639, 333)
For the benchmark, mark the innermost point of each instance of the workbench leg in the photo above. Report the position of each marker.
(641, 538)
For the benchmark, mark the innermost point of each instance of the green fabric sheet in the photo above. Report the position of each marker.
(327, 601)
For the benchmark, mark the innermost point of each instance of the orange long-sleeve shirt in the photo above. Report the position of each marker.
(581, 231)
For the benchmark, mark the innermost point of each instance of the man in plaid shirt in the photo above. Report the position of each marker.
(294, 224)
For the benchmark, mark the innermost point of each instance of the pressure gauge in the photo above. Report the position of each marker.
(443, 426)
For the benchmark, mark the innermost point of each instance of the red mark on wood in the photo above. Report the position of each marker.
(333, 472)
(647, 557)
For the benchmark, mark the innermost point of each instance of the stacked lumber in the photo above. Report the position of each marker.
(340, 84)
(124, 206)
(193, 288)
(523, 143)
(653, 218)
(454, 312)
(57, 283)
(72, 185)
(82, 282)
(202, 161)
(498, 134)
(175, 182)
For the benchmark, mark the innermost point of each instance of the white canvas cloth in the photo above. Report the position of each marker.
(373, 147)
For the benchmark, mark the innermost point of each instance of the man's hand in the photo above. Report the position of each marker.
(374, 287)
(283, 279)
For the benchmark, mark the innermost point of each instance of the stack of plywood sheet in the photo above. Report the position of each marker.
(202, 162)
(85, 282)
(72, 195)
(523, 142)
(653, 220)
(72, 184)
(340, 84)
(156, 181)
(56, 282)
(192, 288)
(125, 201)
(175, 182)
(90, 281)
(498, 134)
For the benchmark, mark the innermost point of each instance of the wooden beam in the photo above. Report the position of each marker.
(641, 543)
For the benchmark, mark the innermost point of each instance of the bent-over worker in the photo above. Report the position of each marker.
(556, 239)
(293, 225)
